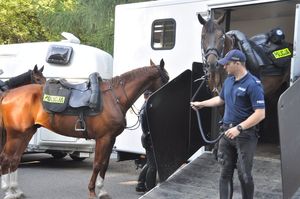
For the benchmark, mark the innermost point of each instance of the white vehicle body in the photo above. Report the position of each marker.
(133, 45)
(84, 60)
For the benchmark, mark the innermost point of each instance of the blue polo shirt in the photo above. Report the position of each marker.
(241, 98)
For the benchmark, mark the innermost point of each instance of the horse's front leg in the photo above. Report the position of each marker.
(101, 159)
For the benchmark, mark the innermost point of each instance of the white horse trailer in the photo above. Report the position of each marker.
(170, 29)
(75, 64)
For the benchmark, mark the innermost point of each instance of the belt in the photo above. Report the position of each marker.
(229, 125)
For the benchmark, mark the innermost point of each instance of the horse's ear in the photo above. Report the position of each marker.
(201, 20)
(152, 63)
(41, 70)
(221, 19)
(162, 63)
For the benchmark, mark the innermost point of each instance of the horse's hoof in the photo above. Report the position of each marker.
(10, 196)
(19, 193)
(105, 197)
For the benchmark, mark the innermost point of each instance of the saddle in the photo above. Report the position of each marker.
(262, 54)
(3, 86)
(63, 97)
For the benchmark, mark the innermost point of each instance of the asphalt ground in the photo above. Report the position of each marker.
(42, 177)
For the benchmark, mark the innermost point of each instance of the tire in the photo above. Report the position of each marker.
(76, 158)
(58, 155)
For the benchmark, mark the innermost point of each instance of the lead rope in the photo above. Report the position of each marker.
(203, 78)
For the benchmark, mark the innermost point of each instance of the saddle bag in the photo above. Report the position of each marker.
(55, 97)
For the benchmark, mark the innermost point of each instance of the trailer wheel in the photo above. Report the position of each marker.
(76, 158)
(58, 155)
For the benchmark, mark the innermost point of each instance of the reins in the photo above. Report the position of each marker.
(137, 123)
(203, 79)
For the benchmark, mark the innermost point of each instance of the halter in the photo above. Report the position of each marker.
(217, 53)
(212, 50)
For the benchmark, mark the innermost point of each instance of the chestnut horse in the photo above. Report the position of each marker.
(22, 113)
(34, 76)
(215, 43)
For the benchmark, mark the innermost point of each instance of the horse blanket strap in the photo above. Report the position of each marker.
(60, 96)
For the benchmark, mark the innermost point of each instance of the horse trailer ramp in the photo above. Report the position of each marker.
(200, 179)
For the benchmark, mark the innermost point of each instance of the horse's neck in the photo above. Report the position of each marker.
(19, 80)
(229, 44)
(132, 85)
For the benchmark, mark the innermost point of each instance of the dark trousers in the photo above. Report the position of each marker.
(237, 153)
(148, 173)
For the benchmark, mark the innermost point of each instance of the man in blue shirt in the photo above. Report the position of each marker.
(243, 97)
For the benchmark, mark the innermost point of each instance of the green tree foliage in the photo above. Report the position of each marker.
(19, 22)
(92, 21)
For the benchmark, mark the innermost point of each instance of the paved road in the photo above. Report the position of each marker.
(42, 177)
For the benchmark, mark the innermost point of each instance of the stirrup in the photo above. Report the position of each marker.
(80, 123)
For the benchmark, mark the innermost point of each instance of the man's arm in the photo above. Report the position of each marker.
(215, 101)
(252, 120)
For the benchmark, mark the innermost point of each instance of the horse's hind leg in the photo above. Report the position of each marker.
(9, 183)
(11, 157)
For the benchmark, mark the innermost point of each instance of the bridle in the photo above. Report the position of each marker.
(211, 50)
(164, 79)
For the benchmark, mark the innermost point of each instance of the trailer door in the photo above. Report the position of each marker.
(295, 71)
(288, 118)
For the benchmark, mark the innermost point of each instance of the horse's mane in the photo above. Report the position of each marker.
(128, 76)
(19, 80)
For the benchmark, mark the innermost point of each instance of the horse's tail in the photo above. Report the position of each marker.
(2, 128)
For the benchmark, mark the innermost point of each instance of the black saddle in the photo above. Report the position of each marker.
(262, 54)
(61, 96)
(3, 86)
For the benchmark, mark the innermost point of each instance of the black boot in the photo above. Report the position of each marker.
(140, 187)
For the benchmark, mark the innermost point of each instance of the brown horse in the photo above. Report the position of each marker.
(215, 43)
(34, 76)
(22, 113)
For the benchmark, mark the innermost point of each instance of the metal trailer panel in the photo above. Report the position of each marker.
(168, 112)
(173, 124)
(289, 125)
(295, 69)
